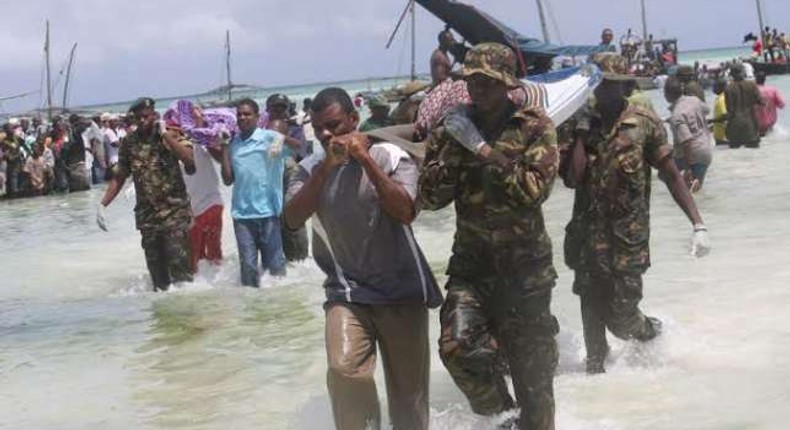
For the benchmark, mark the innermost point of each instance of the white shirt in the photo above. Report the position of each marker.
(111, 145)
(203, 185)
(92, 132)
(749, 69)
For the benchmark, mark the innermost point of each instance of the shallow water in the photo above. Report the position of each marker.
(84, 344)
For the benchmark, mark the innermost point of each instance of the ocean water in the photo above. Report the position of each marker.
(85, 344)
(300, 92)
(296, 93)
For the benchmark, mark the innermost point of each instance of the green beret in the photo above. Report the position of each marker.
(142, 102)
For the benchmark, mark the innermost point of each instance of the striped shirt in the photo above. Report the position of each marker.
(367, 255)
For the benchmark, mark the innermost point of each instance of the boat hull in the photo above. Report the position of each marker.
(770, 68)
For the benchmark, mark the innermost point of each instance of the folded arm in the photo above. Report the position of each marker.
(440, 171)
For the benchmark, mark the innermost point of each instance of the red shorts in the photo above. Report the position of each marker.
(205, 237)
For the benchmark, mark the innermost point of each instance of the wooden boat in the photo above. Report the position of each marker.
(763, 67)
(770, 68)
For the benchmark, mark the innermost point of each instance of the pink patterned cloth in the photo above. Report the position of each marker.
(451, 93)
(439, 101)
(766, 113)
(181, 112)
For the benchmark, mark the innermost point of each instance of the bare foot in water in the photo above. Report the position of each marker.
(695, 186)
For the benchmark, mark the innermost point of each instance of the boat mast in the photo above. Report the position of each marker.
(543, 25)
(413, 42)
(49, 79)
(227, 63)
(68, 75)
(760, 17)
(409, 10)
(644, 21)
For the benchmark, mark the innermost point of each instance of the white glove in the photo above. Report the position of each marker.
(101, 219)
(461, 128)
(223, 135)
(276, 146)
(700, 245)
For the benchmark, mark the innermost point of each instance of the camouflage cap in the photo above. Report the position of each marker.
(142, 102)
(413, 87)
(378, 102)
(494, 60)
(613, 66)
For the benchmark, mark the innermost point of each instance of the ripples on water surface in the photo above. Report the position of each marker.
(85, 345)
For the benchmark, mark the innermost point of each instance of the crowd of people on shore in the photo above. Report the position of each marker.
(67, 155)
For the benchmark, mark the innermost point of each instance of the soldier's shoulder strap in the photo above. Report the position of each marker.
(644, 113)
(534, 121)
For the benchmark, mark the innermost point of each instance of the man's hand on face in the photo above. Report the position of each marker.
(336, 152)
(357, 144)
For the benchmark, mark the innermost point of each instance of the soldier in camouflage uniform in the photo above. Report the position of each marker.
(162, 213)
(607, 240)
(497, 311)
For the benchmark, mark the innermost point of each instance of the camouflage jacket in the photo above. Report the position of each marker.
(12, 146)
(500, 230)
(162, 200)
(610, 227)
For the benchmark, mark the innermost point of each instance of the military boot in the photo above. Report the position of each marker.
(650, 331)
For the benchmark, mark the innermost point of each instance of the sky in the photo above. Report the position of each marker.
(164, 48)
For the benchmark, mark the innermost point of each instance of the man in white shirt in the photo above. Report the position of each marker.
(94, 155)
(205, 235)
(111, 140)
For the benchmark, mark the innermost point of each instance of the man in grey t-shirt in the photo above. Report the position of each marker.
(693, 142)
(379, 285)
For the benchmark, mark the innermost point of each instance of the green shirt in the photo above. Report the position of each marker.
(610, 227)
(162, 200)
(370, 124)
(499, 220)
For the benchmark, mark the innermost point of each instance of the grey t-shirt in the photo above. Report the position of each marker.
(368, 256)
(690, 129)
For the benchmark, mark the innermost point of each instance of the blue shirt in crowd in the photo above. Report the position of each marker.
(258, 178)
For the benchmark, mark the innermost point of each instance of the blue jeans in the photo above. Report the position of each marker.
(98, 174)
(259, 235)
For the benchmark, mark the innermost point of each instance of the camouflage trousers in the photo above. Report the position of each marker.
(610, 301)
(490, 327)
(167, 256)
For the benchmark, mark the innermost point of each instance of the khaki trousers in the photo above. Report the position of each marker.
(401, 332)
